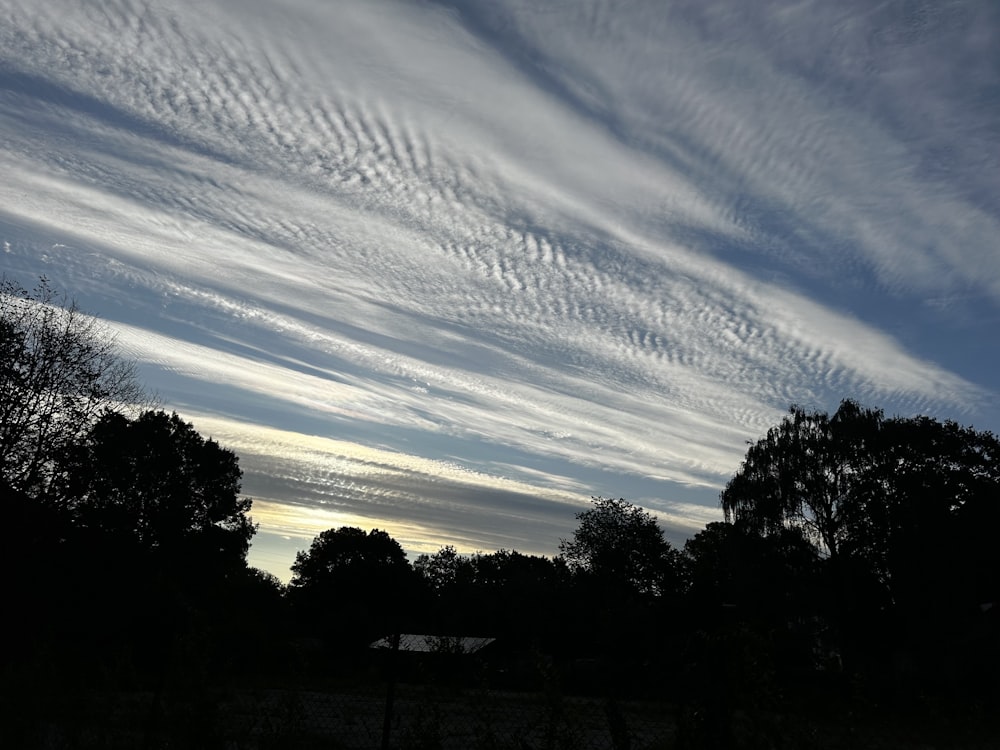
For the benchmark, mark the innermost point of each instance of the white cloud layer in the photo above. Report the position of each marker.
(525, 253)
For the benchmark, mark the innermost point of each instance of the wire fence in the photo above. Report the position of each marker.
(420, 719)
(438, 696)
(373, 713)
(423, 718)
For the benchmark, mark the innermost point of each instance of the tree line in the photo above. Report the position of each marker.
(857, 559)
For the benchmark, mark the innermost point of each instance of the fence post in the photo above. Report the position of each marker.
(390, 692)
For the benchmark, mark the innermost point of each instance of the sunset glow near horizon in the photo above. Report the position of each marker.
(451, 269)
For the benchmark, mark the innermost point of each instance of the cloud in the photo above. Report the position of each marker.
(814, 128)
(598, 245)
(323, 483)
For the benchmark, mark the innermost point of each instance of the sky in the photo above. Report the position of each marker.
(450, 269)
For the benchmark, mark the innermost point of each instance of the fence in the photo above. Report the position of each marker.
(375, 711)
(422, 718)
(442, 700)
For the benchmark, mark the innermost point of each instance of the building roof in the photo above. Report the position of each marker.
(445, 644)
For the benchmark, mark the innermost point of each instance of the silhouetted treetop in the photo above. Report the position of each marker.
(156, 481)
(879, 492)
(621, 545)
(806, 472)
(444, 570)
(353, 586)
(347, 556)
(59, 372)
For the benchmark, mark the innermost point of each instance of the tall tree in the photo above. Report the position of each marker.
(60, 371)
(904, 510)
(808, 472)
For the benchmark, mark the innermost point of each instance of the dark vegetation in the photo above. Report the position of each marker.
(851, 598)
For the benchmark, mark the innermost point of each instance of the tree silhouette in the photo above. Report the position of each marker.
(126, 532)
(936, 487)
(622, 547)
(156, 483)
(503, 594)
(807, 472)
(901, 510)
(348, 556)
(353, 585)
(59, 372)
(727, 567)
(878, 491)
(445, 570)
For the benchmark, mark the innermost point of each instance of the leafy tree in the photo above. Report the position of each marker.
(157, 484)
(522, 597)
(504, 593)
(142, 570)
(939, 489)
(510, 569)
(59, 372)
(861, 486)
(127, 531)
(808, 472)
(349, 556)
(770, 585)
(353, 585)
(444, 570)
(621, 546)
(901, 510)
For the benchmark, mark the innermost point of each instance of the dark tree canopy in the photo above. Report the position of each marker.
(449, 574)
(505, 594)
(444, 570)
(345, 556)
(808, 473)
(353, 585)
(772, 575)
(621, 544)
(880, 493)
(126, 528)
(157, 482)
(937, 488)
(59, 372)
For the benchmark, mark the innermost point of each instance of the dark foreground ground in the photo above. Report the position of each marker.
(426, 718)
